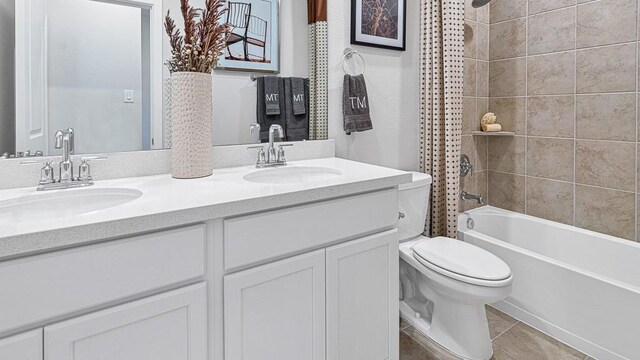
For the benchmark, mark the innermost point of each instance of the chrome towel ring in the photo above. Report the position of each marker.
(349, 54)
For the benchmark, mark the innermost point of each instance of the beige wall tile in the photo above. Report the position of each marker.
(476, 148)
(470, 35)
(511, 113)
(606, 22)
(507, 191)
(550, 158)
(469, 11)
(469, 77)
(537, 6)
(552, 31)
(470, 122)
(607, 69)
(606, 117)
(607, 164)
(551, 74)
(483, 14)
(551, 116)
(483, 108)
(607, 211)
(551, 200)
(502, 10)
(482, 37)
(477, 185)
(507, 77)
(482, 78)
(507, 154)
(508, 39)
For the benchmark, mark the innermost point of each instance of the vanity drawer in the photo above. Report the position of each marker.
(256, 238)
(46, 286)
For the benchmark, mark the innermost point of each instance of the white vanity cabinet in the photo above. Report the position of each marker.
(338, 302)
(277, 311)
(27, 346)
(168, 326)
(362, 299)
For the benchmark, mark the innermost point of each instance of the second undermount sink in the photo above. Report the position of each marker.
(62, 204)
(292, 175)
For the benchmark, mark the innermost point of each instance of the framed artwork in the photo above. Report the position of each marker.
(254, 42)
(379, 23)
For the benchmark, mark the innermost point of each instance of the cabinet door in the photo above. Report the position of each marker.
(169, 326)
(277, 311)
(362, 299)
(27, 346)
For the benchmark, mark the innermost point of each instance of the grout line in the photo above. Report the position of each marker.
(509, 328)
(564, 181)
(575, 119)
(635, 205)
(566, 51)
(526, 107)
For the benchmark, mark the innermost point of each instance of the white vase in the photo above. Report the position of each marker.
(191, 117)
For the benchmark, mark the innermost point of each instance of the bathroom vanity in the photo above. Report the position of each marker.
(239, 266)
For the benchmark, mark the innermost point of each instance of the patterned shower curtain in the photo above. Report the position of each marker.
(318, 69)
(441, 90)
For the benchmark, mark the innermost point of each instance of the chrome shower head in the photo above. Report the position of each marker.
(479, 3)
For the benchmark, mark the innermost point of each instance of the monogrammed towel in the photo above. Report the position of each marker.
(355, 105)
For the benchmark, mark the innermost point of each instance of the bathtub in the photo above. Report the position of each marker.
(578, 286)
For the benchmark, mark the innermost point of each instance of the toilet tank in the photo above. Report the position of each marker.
(413, 205)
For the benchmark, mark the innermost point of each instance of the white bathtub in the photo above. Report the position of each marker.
(578, 286)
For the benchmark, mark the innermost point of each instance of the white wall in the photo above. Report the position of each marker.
(94, 55)
(394, 93)
(234, 94)
(7, 93)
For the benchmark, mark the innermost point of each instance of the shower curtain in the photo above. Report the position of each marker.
(441, 91)
(318, 69)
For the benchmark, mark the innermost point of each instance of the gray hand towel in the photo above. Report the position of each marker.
(355, 104)
(297, 128)
(262, 118)
(272, 95)
(297, 92)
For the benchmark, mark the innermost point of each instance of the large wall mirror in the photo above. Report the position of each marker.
(97, 66)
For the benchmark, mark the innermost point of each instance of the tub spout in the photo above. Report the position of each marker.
(466, 196)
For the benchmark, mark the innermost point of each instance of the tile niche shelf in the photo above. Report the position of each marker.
(496, 133)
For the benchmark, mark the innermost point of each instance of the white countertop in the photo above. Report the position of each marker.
(167, 202)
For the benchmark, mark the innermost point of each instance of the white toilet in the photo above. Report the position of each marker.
(445, 283)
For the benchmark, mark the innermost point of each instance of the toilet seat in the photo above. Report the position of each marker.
(462, 261)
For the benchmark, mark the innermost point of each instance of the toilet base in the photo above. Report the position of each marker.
(461, 329)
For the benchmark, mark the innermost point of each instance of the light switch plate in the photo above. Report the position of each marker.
(128, 96)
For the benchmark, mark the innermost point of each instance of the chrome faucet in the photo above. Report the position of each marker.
(271, 152)
(272, 158)
(466, 196)
(64, 141)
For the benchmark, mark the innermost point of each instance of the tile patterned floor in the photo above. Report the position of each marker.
(512, 340)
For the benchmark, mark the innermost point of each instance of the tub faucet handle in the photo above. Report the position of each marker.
(465, 165)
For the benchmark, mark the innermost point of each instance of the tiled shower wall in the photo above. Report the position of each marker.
(563, 75)
(476, 98)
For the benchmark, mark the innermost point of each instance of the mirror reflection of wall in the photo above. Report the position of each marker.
(234, 94)
(7, 90)
(89, 65)
(89, 73)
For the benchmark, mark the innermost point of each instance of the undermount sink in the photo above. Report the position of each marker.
(292, 175)
(62, 204)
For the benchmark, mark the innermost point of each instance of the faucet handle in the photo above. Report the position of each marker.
(84, 170)
(46, 173)
(93, 157)
(262, 157)
(281, 156)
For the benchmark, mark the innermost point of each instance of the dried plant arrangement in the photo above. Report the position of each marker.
(204, 39)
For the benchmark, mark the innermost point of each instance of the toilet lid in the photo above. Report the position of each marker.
(462, 258)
